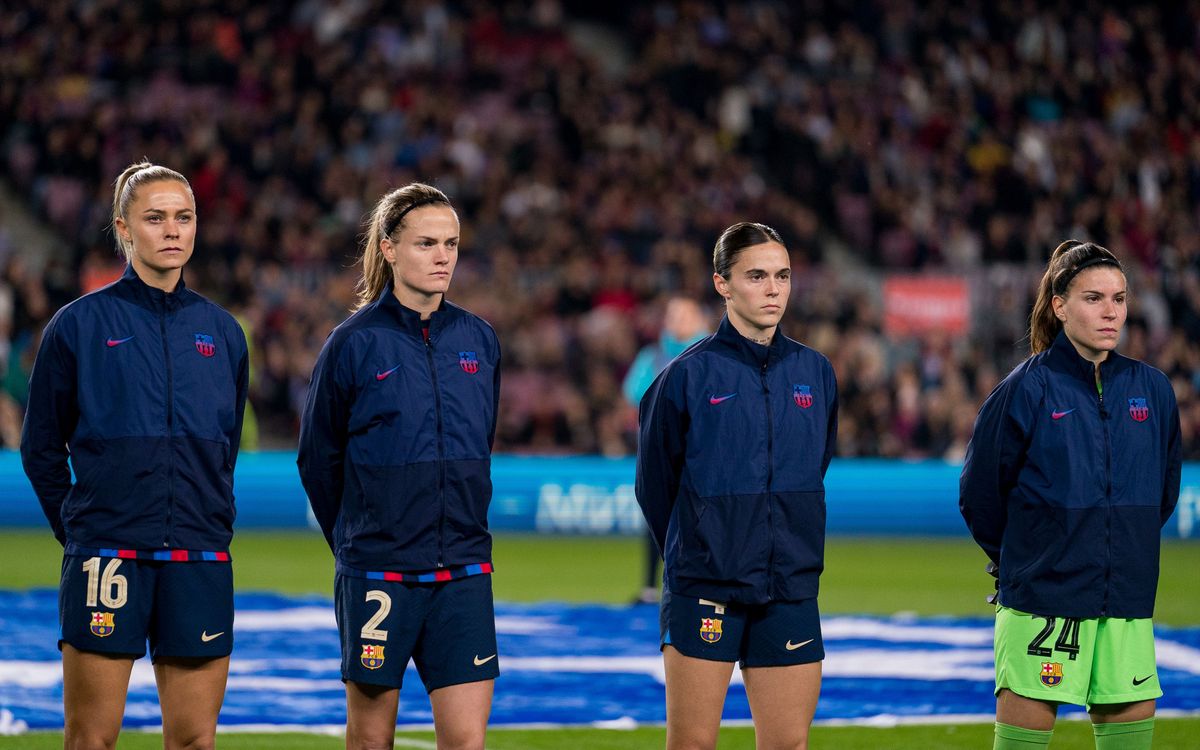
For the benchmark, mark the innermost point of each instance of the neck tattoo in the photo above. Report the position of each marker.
(762, 342)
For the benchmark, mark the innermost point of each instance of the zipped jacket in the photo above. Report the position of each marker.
(140, 395)
(396, 438)
(735, 439)
(1066, 486)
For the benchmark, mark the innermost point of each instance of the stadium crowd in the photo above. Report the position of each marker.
(596, 155)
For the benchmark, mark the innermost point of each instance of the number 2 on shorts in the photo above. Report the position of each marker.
(1067, 643)
(371, 631)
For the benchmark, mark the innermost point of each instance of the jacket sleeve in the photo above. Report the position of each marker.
(1171, 481)
(994, 457)
(662, 425)
(50, 420)
(242, 384)
(832, 428)
(323, 434)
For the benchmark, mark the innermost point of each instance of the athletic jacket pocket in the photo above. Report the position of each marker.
(723, 538)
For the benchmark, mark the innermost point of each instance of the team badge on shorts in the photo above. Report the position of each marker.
(1138, 409)
(372, 656)
(1051, 673)
(468, 362)
(205, 345)
(102, 624)
(802, 395)
(710, 629)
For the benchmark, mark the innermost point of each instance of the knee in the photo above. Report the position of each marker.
(88, 738)
(190, 742)
(370, 741)
(467, 740)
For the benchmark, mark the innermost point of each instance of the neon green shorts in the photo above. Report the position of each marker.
(1092, 661)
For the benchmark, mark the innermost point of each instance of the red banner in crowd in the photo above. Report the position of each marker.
(920, 304)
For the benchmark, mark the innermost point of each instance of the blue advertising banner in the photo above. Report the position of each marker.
(593, 495)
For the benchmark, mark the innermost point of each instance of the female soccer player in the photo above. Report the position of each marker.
(736, 435)
(141, 386)
(395, 454)
(1071, 472)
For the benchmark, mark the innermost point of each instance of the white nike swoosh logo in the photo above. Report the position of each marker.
(204, 636)
(793, 646)
(480, 662)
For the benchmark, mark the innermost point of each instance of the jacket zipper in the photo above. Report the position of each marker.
(1107, 496)
(162, 325)
(437, 399)
(770, 477)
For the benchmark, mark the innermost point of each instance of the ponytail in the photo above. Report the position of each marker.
(1067, 260)
(386, 219)
(125, 192)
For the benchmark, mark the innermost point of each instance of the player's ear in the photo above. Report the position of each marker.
(721, 285)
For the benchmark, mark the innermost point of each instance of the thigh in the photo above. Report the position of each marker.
(784, 634)
(105, 603)
(782, 702)
(460, 714)
(94, 690)
(378, 626)
(190, 691)
(1044, 658)
(702, 629)
(193, 611)
(457, 644)
(696, 691)
(1123, 666)
(370, 715)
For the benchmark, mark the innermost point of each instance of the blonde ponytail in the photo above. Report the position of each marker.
(387, 218)
(125, 192)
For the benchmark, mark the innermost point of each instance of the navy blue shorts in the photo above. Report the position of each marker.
(776, 634)
(447, 629)
(109, 605)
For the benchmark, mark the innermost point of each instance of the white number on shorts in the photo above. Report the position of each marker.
(371, 631)
(102, 585)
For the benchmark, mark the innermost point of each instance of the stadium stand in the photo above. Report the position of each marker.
(597, 154)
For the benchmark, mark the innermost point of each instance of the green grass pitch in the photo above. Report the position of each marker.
(878, 575)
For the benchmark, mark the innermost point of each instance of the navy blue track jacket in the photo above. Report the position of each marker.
(144, 393)
(1067, 488)
(396, 438)
(735, 439)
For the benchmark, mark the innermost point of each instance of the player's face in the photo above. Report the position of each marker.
(758, 288)
(161, 226)
(424, 254)
(1093, 311)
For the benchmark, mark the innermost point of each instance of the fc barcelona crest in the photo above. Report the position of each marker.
(1138, 409)
(802, 395)
(372, 656)
(205, 345)
(468, 362)
(1051, 673)
(102, 624)
(710, 629)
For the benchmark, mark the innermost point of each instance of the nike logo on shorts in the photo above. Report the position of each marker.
(1137, 682)
(204, 636)
(480, 662)
(793, 646)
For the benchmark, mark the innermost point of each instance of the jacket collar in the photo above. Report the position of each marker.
(745, 349)
(408, 319)
(131, 286)
(1063, 356)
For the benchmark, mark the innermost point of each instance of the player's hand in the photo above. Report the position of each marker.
(993, 570)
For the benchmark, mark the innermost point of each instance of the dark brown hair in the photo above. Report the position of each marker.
(1067, 260)
(737, 238)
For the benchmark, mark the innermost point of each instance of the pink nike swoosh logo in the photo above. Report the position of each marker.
(118, 342)
(1060, 414)
(384, 375)
(714, 400)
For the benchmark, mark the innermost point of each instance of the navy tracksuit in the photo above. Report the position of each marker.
(1067, 487)
(143, 393)
(396, 437)
(735, 439)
